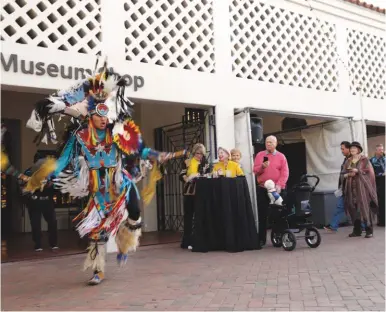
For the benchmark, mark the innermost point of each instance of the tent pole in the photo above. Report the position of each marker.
(363, 122)
(252, 160)
(351, 129)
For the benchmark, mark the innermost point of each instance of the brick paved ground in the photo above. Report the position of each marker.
(342, 274)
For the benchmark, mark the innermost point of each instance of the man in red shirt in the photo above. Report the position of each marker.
(269, 165)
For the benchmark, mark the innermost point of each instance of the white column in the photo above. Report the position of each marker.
(225, 126)
(113, 46)
(225, 134)
(113, 31)
(222, 39)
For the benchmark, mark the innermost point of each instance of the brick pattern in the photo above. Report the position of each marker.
(368, 6)
(342, 274)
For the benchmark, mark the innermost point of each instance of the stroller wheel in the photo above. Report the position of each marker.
(313, 238)
(276, 238)
(288, 240)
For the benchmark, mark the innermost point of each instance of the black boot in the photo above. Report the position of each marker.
(369, 231)
(357, 231)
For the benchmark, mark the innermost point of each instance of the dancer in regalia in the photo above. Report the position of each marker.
(102, 135)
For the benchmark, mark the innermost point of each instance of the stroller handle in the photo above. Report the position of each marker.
(306, 176)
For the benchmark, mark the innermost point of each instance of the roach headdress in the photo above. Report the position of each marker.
(102, 94)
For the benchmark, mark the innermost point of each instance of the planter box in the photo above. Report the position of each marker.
(323, 207)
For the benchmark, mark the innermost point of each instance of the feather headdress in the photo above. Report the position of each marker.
(106, 88)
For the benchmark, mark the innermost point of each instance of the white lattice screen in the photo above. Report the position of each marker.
(367, 63)
(276, 45)
(68, 25)
(173, 33)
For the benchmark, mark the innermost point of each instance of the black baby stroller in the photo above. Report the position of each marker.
(293, 217)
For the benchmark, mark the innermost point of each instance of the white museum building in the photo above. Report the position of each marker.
(195, 63)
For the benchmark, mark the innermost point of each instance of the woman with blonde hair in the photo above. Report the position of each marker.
(226, 167)
(192, 168)
(236, 155)
(360, 201)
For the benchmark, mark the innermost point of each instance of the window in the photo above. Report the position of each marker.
(194, 115)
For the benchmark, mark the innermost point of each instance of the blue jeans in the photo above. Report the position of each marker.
(339, 211)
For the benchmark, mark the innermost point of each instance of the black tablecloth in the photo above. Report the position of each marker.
(223, 216)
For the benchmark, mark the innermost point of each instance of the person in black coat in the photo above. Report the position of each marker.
(41, 203)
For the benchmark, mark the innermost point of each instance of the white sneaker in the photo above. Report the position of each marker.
(55, 248)
(39, 249)
(190, 247)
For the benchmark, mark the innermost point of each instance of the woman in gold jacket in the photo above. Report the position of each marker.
(226, 167)
(192, 168)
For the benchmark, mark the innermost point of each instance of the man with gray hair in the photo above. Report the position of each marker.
(378, 162)
(269, 165)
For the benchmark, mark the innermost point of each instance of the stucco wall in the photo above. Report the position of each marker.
(373, 141)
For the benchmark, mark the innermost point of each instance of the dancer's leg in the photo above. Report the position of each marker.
(96, 259)
(129, 231)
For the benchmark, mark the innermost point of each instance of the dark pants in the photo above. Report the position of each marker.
(37, 208)
(381, 200)
(263, 210)
(188, 221)
(133, 205)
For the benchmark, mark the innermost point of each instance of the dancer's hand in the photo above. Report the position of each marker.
(162, 157)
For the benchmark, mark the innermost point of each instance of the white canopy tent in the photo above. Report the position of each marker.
(323, 155)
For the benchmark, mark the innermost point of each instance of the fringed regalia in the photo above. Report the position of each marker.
(93, 160)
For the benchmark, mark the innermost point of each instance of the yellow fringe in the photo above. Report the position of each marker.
(35, 182)
(4, 161)
(149, 190)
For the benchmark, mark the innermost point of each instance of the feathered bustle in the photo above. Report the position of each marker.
(36, 180)
(81, 98)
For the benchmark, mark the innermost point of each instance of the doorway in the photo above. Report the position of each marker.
(196, 127)
(296, 158)
(11, 212)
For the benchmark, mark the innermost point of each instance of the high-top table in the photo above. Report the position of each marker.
(224, 218)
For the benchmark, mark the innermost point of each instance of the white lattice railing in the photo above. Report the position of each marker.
(173, 33)
(70, 25)
(367, 63)
(275, 45)
(268, 43)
